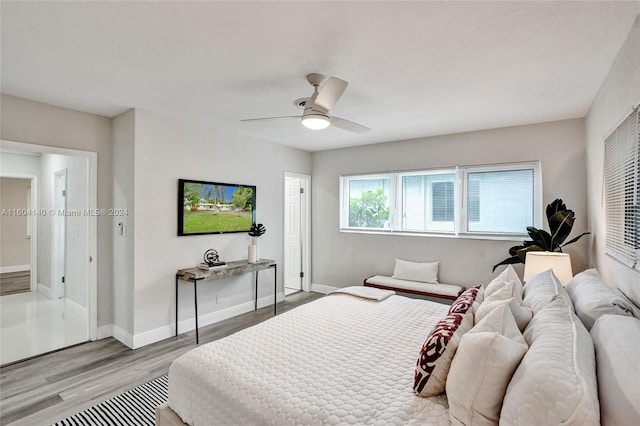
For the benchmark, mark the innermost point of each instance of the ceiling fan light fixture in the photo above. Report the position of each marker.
(316, 121)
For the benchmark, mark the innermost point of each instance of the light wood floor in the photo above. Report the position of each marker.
(15, 282)
(43, 390)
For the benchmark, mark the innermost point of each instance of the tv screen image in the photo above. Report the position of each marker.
(214, 207)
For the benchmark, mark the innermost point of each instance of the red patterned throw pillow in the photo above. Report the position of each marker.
(464, 302)
(437, 353)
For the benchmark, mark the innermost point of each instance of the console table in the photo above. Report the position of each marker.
(237, 267)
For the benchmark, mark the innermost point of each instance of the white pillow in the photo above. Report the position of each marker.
(426, 272)
(593, 298)
(617, 343)
(521, 314)
(541, 289)
(482, 368)
(509, 278)
(555, 383)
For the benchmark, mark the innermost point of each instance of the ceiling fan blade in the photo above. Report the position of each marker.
(349, 125)
(271, 118)
(330, 93)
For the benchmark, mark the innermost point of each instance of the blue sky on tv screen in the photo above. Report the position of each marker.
(224, 191)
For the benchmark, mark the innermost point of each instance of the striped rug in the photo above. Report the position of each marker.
(136, 407)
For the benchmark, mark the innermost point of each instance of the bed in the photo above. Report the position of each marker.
(351, 358)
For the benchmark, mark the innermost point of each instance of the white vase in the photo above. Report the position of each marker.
(251, 257)
(255, 241)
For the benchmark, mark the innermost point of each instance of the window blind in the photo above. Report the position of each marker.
(622, 191)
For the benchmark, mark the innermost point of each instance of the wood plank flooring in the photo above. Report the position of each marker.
(15, 282)
(43, 390)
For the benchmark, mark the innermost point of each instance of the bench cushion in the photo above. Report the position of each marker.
(450, 290)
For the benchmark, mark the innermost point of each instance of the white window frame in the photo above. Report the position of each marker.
(344, 200)
(460, 199)
(434, 227)
(535, 166)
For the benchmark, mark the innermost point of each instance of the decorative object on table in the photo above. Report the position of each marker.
(560, 224)
(214, 207)
(257, 229)
(211, 261)
(540, 261)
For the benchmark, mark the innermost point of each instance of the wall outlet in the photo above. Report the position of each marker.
(219, 299)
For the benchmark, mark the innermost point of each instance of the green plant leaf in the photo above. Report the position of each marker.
(540, 237)
(576, 238)
(560, 224)
(555, 206)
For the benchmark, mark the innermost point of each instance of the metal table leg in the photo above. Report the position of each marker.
(176, 305)
(195, 303)
(275, 290)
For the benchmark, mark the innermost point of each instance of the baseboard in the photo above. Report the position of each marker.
(123, 336)
(44, 290)
(148, 337)
(105, 331)
(321, 288)
(15, 268)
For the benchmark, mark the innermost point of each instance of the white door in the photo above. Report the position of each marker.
(293, 236)
(59, 234)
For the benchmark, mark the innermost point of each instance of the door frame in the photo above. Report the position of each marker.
(59, 236)
(12, 146)
(305, 226)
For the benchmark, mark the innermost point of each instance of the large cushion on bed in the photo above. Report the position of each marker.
(555, 382)
(541, 289)
(593, 298)
(426, 272)
(617, 344)
(437, 352)
(482, 368)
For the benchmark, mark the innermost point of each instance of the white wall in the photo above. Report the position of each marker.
(619, 92)
(15, 247)
(341, 259)
(165, 150)
(36, 123)
(76, 227)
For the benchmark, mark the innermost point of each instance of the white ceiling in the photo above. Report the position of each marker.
(415, 68)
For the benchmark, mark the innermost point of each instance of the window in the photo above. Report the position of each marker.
(428, 201)
(367, 201)
(500, 201)
(471, 200)
(622, 191)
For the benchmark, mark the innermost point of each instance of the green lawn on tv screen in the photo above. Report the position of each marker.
(199, 222)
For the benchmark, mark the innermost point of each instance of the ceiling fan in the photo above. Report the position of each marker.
(316, 108)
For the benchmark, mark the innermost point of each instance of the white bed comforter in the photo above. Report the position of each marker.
(338, 360)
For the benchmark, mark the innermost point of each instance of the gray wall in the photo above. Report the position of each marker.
(618, 93)
(341, 259)
(162, 150)
(36, 123)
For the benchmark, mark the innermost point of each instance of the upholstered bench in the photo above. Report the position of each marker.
(440, 290)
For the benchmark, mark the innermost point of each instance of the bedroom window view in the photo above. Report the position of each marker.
(428, 202)
(498, 200)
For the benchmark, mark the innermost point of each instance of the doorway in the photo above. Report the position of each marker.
(297, 224)
(60, 308)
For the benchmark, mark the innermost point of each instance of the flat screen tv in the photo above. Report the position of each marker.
(215, 207)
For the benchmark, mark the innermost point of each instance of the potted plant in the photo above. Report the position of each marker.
(257, 229)
(560, 221)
